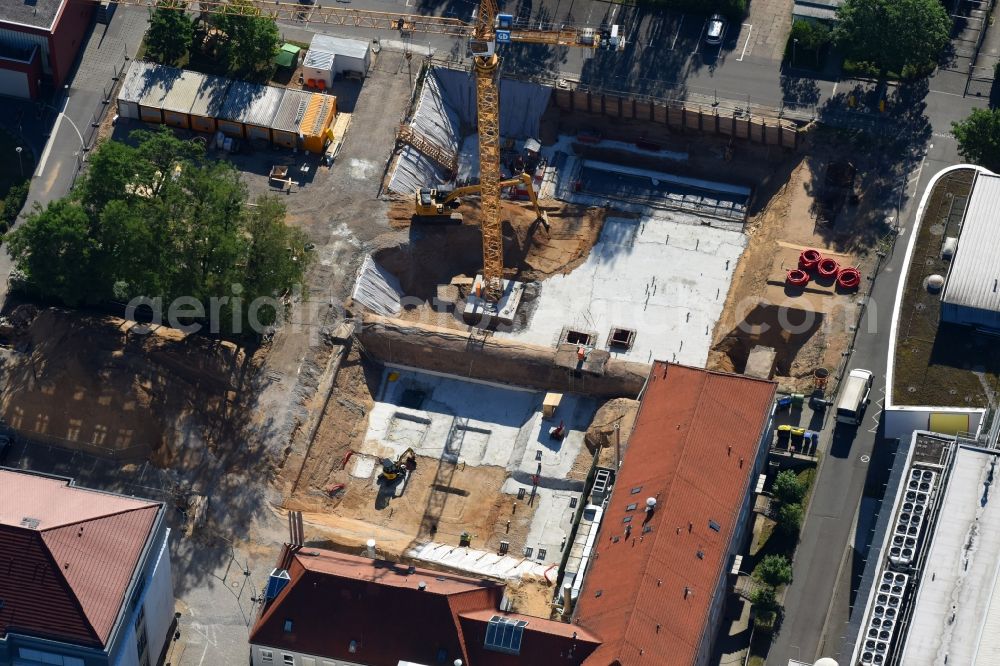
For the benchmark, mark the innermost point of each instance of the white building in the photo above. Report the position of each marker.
(971, 294)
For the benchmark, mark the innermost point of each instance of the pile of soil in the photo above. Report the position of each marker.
(434, 254)
(73, 378)
(618, 413)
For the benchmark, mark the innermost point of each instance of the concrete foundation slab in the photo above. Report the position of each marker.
(479, 311)
(478, 423)
(666, 280)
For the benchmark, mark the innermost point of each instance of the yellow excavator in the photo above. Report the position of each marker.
(403, 465)
(438, 205)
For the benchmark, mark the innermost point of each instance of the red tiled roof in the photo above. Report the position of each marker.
(692, 448)
(333, 599)
(65, 577)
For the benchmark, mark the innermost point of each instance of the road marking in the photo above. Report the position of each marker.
(745, 44)
(677, 34)
(48, 145)
(700, 34)
(866, 459)
(835, 84)
(941, 92)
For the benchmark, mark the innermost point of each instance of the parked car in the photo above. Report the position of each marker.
(716, 29)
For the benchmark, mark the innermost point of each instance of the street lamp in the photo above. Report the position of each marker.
(795, 42)
(19, 161)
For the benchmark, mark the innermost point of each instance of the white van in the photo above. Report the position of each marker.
(853, 397)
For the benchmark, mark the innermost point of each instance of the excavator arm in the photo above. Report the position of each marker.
(432, 203)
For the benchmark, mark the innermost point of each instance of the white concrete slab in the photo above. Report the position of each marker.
(552, 522)
(488, 424)
(362, 466)
(479, 562)
(665, 279)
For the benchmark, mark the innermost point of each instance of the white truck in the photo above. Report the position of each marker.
(853, 397)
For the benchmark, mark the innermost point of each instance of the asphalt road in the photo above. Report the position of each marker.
(830, 555)
(665, 53)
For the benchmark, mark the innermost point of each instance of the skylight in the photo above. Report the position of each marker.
(504, 634)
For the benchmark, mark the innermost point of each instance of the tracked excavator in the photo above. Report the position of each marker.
(437, 206)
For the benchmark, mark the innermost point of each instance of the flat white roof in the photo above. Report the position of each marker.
(956, 614)
(353, 48)
(974, 275)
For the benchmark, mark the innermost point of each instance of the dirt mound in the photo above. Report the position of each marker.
(620, 412)
(95, 383)
(434, 254)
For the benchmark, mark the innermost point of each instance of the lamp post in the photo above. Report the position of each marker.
(795, 43)
(20, 162)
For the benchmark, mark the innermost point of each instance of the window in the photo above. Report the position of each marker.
(141, 640)
(504, 634)
(631, 507)
(266, 656)
(528, 550)
(714, 525)
(542, 553)
(289, 659)
(636, 490)
(288, 625)
(578, 338)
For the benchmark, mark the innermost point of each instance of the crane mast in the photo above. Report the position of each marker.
(486, 66)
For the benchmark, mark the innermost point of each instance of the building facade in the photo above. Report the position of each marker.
(39, 43)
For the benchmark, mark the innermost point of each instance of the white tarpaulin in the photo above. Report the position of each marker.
(377, 289)
(446, 113)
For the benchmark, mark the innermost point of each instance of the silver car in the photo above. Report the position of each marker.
(715, 30)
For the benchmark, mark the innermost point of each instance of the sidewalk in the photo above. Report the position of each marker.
(59, 155)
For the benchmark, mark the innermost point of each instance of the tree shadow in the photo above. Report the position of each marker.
(884, 146)
(799, 91)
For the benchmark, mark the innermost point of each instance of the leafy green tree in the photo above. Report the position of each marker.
(13, 202)
(171, 32)
(979, 138)
(790, 519)
(774, 570)
(54, 249)
(892, 34)
(251, 40)
(787, 488)
(811, 36)
(159, 220)
(765, 599)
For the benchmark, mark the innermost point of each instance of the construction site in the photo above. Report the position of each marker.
(489, 294)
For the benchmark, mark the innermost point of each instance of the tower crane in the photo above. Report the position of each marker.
(489, 29)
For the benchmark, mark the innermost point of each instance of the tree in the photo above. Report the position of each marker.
(979, 138)
(160, 221)
(774, 570)
(811, 36)
(765, 599)
(787, 488)
(171, 32)
(53, 250)
(790, 519)
(251, 40)
(893, 35)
